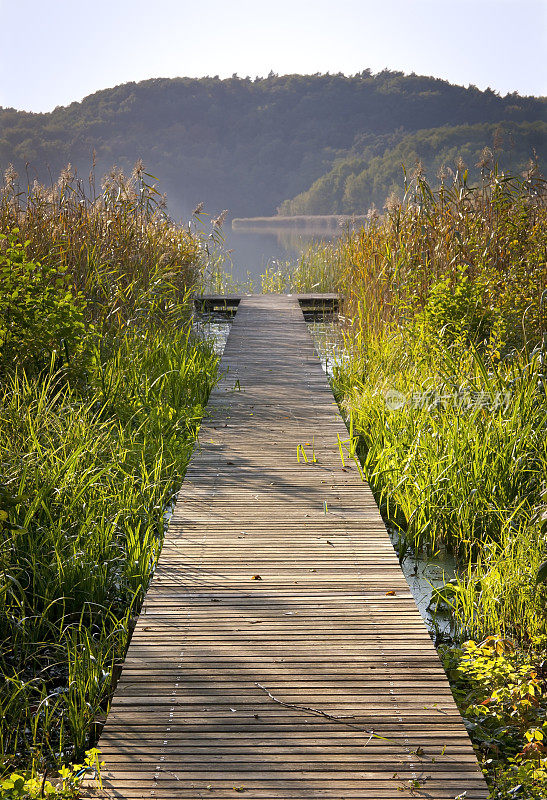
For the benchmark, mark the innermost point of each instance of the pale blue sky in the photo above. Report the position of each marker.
(56, 51)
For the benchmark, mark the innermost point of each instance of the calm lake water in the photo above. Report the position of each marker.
(251, 252)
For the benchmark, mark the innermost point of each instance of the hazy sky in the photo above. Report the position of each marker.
(56, 51)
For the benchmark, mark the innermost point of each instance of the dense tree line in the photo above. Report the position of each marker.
(240, 143)
(357, 182)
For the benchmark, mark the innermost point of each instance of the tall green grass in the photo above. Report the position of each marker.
(103, 386)
(456, 454)
(315, 271)
(443, 379)
(86, 481)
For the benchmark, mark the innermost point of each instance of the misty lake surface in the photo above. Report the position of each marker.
(251, 252)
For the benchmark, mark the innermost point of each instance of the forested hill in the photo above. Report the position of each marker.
(242, 144)
(366, 178)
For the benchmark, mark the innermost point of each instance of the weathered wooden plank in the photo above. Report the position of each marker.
(279, 652)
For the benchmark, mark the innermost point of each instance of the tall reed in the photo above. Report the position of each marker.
(315, 271)
(443, 379)
(102, 389)
(116, 243)
(493, 235)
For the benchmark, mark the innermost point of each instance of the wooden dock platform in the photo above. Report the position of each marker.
(227, 304)
(279, 652)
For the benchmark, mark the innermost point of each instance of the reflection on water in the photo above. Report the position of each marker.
(423, 575)
(329, 343)
(213, 329)
(252, 252)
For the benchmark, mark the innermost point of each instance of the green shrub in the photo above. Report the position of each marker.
(29, 786)
(40, 317)
(500, 691)
(454, 312)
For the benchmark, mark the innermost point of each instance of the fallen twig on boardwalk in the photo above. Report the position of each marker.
(320, 713)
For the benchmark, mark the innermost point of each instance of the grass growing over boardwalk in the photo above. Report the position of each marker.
(102, 391)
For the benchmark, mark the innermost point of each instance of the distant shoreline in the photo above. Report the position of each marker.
(315, 223)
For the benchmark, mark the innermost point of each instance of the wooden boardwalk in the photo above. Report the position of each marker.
(279, 653)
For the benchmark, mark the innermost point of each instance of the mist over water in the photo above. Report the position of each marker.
(251, 252)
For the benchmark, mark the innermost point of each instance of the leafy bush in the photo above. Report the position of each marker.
(454, 312)
(501, 693)
(40, 316)
(29, 786)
